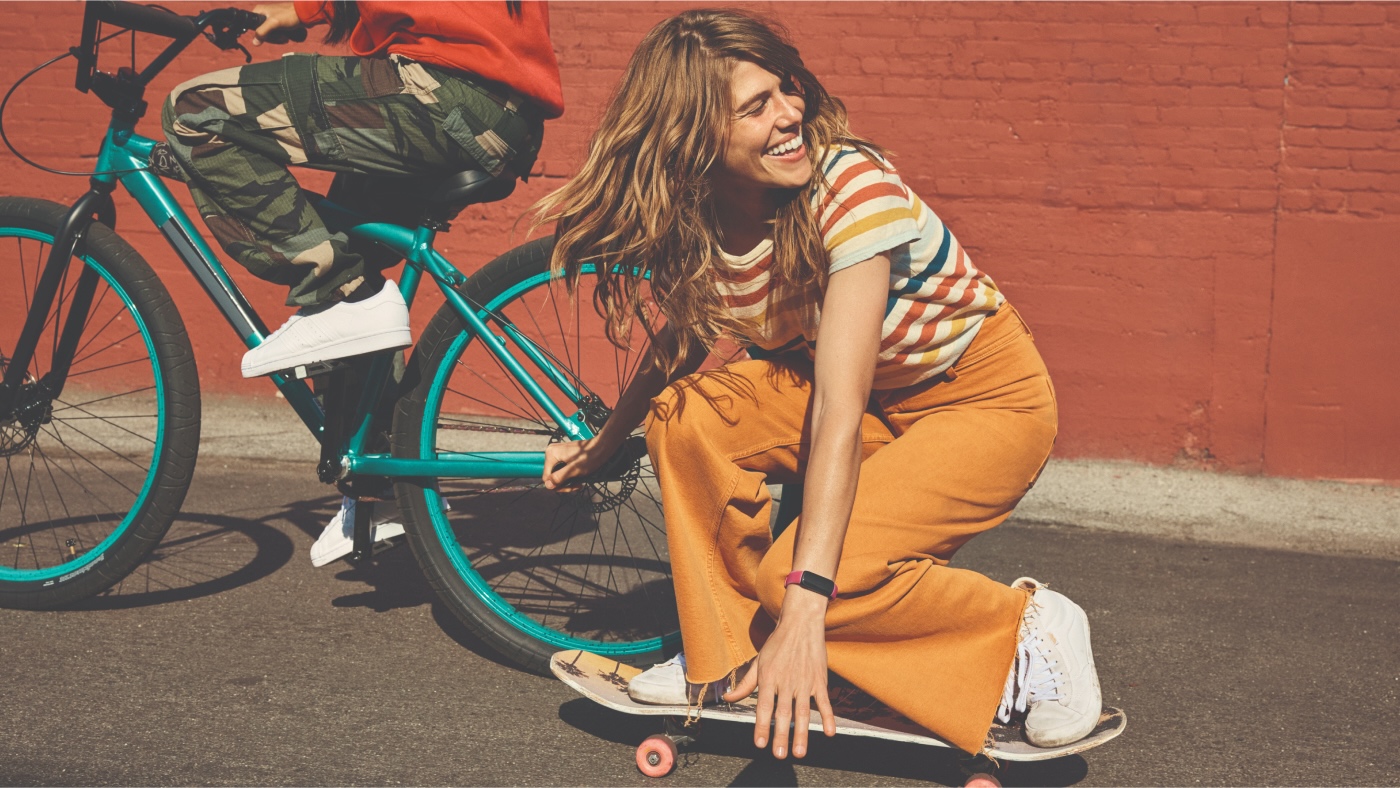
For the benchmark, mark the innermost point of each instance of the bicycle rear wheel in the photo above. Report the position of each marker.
(530, 570)
(90, 479)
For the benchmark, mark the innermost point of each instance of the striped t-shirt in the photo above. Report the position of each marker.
(937, 301)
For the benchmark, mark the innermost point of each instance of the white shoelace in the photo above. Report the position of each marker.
(1033, 676)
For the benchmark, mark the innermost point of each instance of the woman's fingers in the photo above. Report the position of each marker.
(276, 16)
(764, 717)
(747, 684)
(782, 723)
(565, 461)
(561, 463)
(802, 715)
(824, 708)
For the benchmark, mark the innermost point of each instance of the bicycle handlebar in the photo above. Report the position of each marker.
(222, 26)
(144, 19)
(150, 19)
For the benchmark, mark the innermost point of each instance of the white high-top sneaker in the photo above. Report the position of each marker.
(665, 685)
(1053, 678)
(325, 333)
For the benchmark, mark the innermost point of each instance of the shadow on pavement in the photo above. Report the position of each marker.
(201, 554)
(396, 582)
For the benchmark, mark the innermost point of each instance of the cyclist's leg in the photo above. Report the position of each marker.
(232, 133)
(238, 130)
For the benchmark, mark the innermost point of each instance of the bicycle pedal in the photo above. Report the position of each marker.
(304, 371)
(381, 546)
(387, 544)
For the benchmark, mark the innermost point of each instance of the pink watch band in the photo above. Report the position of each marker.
(806, 580)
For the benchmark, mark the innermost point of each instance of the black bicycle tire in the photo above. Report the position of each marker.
(518, 647)
(174, 468)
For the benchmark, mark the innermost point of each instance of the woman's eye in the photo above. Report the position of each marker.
(754, 109)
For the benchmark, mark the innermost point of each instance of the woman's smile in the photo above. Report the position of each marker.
(765, 148)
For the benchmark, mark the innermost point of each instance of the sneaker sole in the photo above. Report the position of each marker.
(356, 346)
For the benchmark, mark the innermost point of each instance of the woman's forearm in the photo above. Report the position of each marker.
(632, 404)
(844, 371)
(833, 471)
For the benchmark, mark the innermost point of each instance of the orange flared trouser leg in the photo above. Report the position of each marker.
(943, 461)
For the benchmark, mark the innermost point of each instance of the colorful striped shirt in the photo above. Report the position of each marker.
(937, 300)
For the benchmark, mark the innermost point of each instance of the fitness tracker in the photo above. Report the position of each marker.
(812, 582)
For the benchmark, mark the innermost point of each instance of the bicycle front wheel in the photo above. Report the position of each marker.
(534, 571)
(91, 475)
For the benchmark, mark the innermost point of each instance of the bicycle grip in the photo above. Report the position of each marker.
(144, 19)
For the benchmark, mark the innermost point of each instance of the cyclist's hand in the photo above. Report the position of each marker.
(565, 461)
(278, 15)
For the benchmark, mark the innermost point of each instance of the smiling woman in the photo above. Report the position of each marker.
(724, 171)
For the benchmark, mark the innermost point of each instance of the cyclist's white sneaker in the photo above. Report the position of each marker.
(1052, 678)
(338, 539)
(325, 333)
(665, 685)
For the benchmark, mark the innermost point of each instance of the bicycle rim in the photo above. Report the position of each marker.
(79, 469)
(586, 568)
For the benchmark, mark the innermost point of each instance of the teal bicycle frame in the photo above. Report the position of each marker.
(125, 152)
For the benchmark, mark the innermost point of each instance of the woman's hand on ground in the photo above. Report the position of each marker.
(570, 460)
(277, 16)
(789, 673)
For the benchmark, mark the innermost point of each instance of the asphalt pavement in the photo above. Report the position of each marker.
(229, 660)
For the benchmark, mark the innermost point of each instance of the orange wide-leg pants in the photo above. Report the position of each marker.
(944, 460)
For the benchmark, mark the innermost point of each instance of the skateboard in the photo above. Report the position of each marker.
(604, 680)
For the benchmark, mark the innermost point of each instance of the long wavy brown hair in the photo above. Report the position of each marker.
(642, 202)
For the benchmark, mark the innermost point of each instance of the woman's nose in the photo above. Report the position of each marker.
(789, 112)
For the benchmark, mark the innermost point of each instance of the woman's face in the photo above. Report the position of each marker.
(765, 149)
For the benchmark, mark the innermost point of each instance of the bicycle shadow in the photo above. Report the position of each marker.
(393, 578)
(396, 582)
(874, 757)
(201, 555)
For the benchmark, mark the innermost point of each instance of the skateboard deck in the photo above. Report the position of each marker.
(604, 680)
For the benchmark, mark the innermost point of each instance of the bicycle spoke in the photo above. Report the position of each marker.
(95, 466)
(588, 562)
(78, 360)
(109, 366)
(106, 398)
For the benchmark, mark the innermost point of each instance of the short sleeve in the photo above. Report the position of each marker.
(863, 210)
(313, 12)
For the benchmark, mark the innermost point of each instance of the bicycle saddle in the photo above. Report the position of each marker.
(471, 187)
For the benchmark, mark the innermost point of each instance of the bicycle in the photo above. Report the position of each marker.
(100, 401)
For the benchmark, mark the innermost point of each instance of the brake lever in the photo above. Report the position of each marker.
(225, 33)
(225, 37)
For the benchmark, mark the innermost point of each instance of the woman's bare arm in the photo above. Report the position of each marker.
(790, 670)
(564, 461)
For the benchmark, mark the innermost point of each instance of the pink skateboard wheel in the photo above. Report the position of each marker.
(982, 780)
(656, 756)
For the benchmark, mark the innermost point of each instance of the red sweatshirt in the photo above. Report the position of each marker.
(481, 37)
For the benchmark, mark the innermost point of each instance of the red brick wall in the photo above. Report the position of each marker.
(1195, 205)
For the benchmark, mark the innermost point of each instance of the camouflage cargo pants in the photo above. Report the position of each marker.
(385, 126)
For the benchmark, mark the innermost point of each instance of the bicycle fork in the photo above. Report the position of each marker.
(31, 404)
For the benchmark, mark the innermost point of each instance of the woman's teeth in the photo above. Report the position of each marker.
(787, 147)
